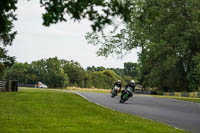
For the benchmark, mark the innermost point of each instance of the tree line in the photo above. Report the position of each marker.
(60, 73)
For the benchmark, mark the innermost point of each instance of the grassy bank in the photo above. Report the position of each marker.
(39, 111)
(89, 90)
(190, 99)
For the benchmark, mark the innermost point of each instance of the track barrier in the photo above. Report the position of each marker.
(9, 85)
(183, 94)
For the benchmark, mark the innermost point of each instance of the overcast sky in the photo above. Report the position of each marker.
(64, 40)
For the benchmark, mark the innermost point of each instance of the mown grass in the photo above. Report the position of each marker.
(89, 90)
(73, 89)
(38, 111)
(190, 99)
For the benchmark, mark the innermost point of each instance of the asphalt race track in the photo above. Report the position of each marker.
(180, 114)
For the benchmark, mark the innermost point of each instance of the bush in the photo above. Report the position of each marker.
(104, 79)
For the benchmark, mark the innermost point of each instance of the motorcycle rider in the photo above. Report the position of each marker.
(117, 84)
(130, 87)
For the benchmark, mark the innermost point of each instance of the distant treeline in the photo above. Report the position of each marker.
(60, 73)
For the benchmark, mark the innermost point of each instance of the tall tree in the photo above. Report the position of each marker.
(20, 72)
(51, 72)
(75, 72)
(131, 69)
(7, 16)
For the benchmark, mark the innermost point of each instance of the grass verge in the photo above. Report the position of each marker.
(39, 111)
(190, 99)
(89, 90)
(72, 89)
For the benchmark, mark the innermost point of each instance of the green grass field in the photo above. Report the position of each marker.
(38, 111)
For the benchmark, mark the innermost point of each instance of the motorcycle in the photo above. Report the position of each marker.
(115, 90)
(124, 96)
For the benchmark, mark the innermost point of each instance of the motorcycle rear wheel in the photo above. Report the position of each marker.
(114, 93)
(122, 101)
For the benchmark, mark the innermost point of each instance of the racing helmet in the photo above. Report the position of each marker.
(132, 81)
(118, 81)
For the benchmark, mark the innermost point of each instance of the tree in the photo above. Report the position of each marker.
(75, 72)
(7, 16)
(91, 69)
(170, 30)
(88, 82)
(50, 72)
(105, 79)
(130, 69)
(56, 76)
(5, 62)
(100, 12)
(118, 71)
(19, 71)
(94, 69)
(194, 75)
